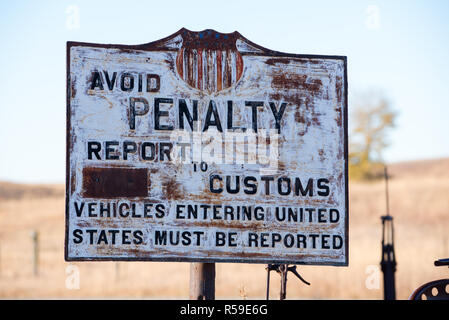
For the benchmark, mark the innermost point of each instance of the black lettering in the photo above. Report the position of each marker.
(174, 240)
(325, 241)
(334, 215)
(246, 213)
(113, 234)
(323, 185)
(79, 210)
(211, 183)
(275, 237)
(127, 85)
(252, 186)
(128, 147)
(183, 146)
(157, 82)
(104, 210)
(321, 217)
(310, 211)
(289, 240)
(139, 86)
(186, 241)
(289, 188)
(337, 242)
(93, 147)
(230, 125)
(232, 239)
(254, 105)
(184, 112)
(160, 210)
(198, 237)
(216, 212)
(179, 211)
(292, 214)
(109, 146)
(110, 82)
(102, 238)
(205, 208)
(122, 213)
(267, 180)
(259, 213)
(125, 237)
(264, 240)
(220, 239)
(212, 110)
(133, 112)
(91, 209)
(299, 188)
(96, 81)
(160, 238)
(91, 233)
(147, 207)
(161, 113)
(301, 239)
(279, 213)
(134, 214)
(143, 152)
(237, 185)
(192, 211)
(228, 213)
(165, 149)
(252, 239)
(78, 234)
(314, 237)
(278, 114)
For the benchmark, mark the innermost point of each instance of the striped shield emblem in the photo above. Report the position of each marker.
(209, 61)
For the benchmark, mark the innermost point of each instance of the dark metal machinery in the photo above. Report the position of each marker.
(433, 290)
(388, 262)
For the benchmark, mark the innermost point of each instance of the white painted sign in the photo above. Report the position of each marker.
(206, 147)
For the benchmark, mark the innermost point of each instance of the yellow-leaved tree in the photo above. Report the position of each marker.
(371, 121)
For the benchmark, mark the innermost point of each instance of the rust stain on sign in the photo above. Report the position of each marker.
(205, 146)
(114, 182)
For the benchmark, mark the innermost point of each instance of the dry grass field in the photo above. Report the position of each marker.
(419, 199)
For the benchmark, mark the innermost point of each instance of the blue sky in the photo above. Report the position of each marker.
(398, 47)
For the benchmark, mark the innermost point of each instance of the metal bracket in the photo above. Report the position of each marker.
(442, 262)
(283, 270)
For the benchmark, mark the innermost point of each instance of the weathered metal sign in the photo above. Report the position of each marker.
(206, 147)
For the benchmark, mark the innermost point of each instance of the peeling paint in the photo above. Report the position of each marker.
(121, 185)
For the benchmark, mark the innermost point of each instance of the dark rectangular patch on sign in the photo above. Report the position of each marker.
(115, 182)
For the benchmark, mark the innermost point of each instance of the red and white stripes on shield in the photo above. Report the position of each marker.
(212, 68)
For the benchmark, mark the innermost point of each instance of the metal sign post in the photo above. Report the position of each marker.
(388, 262)
(205, 147)
(202, 281)
(283, 270)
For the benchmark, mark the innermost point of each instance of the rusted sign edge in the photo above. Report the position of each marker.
(67, 155)
(345, 84)
(208, 260)
(155, 46)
